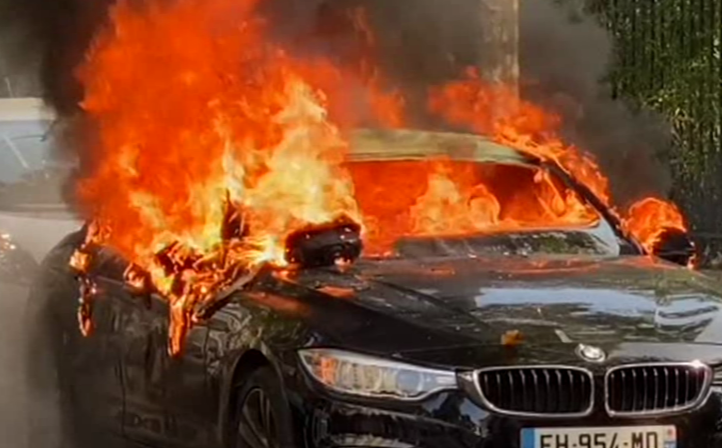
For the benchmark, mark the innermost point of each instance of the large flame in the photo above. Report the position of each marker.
(213, 145)
(198, 119)
(497, 111)
(444, 197)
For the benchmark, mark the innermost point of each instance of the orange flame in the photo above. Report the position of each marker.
(198, 125)
(444, 197)
(647, 219)
(496, 110)
(214, 145)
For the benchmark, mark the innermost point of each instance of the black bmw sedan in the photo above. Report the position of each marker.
(538, 338)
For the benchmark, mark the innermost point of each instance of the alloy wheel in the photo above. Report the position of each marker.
(257, 422)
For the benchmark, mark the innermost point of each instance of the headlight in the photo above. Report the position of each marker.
(717, 378)
(366, 376)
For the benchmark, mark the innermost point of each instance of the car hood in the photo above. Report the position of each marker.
(409, 305)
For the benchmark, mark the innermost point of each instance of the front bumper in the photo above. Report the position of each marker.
(453, 420)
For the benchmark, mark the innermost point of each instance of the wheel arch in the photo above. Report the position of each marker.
(245, 362)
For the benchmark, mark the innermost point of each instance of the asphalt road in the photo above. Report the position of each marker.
(13, 396)
(36, 233)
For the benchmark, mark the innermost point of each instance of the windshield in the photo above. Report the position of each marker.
(448, 194)
(29, 176)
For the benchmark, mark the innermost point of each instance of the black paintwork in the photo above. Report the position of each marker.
(446, 312)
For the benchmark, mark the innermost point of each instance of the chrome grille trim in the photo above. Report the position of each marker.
(667, 388)
(529, 377)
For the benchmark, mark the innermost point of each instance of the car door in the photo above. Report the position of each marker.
(97, 384)
(166, 398)
(89, 366)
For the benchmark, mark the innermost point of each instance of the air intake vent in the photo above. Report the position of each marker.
(654, 389)
(540, 391)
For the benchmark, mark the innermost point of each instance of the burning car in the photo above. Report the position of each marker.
(566, 334)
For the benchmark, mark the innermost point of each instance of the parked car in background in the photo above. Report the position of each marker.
(33, 212)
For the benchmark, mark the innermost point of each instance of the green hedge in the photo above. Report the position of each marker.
(668, 58)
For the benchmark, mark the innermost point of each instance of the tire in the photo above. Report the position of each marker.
(262, 416)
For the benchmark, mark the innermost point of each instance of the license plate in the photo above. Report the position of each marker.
(612, 437)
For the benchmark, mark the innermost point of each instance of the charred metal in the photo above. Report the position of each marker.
(676, 246)
(325, 245)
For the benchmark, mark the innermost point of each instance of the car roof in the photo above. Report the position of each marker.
(411, 144)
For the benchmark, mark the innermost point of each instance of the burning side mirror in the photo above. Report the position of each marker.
(325, 245)
(676, 246)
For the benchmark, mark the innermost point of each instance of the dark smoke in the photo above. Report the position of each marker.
(419, 43)
(46, 40)
(565, 56)
(51, 36)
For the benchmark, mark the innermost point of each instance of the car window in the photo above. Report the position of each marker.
(29, 173)
(23, 149)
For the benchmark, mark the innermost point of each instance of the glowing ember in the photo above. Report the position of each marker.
(215, 147)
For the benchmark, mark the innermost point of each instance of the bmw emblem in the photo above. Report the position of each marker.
(591, 353)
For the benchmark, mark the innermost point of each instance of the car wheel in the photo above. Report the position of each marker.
(262, 417)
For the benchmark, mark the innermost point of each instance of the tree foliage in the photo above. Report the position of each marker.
(668, 59)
